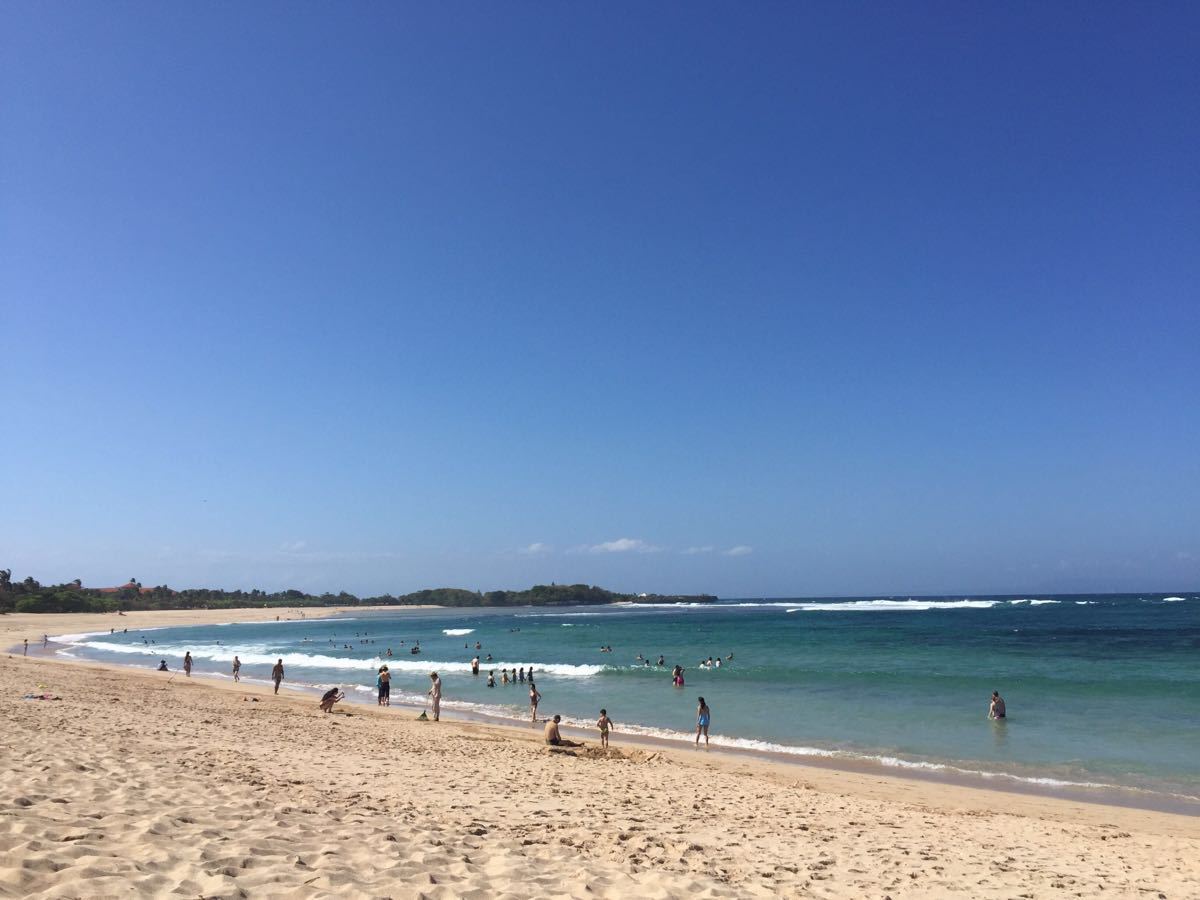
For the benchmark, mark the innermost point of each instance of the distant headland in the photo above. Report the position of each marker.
(31, 596)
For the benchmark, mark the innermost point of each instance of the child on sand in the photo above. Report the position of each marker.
(604, 723)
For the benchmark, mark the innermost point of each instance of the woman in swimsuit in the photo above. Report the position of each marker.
(534, 699)
(703, 717)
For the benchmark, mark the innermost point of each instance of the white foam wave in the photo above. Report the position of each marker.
(250, 657)
(1034, 602)
(457, 632)
(758, 746)
(891, 605)
(77, 638)
(1172, 600)
(1085, 602)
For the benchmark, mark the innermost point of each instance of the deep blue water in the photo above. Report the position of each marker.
(1100, 689)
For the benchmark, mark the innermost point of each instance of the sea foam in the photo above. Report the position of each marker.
(891, 605)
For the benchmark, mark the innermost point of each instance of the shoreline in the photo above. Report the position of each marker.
(202, 787)
(1107, 795)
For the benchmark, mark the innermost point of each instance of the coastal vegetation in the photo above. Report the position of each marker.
(31, 596)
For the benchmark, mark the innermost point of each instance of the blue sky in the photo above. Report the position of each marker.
(772, 299)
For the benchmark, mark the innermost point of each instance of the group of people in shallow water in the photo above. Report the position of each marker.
(604, 723)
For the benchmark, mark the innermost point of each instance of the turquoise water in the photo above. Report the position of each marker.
(1100, 689)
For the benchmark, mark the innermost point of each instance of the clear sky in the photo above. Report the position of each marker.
(757, 299)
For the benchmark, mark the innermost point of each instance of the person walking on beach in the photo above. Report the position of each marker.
(435, 695)
(187, 663)
(703, 718)
(277, 674)
(996, 708)
(604, 723)
(26, 653)
(534, 699)
(237, 669)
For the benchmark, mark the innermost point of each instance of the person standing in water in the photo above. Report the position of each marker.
(435, 695)
(237, 669)
(703, 718)
(534, 699)
(187, 663)
(385, 686)
(996, 708)
(277, 674)
(491, 679)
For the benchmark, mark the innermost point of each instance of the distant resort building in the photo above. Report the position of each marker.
(131, 586)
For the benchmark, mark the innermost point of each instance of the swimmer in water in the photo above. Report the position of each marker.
(996, 708)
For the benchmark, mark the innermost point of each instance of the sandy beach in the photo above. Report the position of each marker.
(139, 783)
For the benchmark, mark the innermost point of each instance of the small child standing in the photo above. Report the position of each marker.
(604, 723)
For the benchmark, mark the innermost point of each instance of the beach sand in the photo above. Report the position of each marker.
(140, 783)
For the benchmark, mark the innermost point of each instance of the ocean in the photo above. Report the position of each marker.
(1103, 692)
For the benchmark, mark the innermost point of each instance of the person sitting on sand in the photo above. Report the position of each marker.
(162, 666)
(331, 696)
(554, 739)
(277, 674)
(604, 723)
(996, 708)
(534, 699)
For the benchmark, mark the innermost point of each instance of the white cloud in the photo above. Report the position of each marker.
(535, 549)
(692, 551)
(739, 550)
(624, 545)
(292, 546)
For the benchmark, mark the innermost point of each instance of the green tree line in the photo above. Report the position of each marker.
(31, 596)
